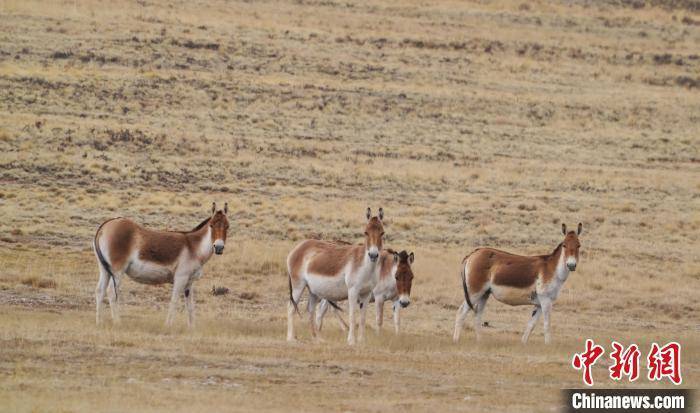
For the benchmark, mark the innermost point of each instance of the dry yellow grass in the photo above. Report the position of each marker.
(471, 123)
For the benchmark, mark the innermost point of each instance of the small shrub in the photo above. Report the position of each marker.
(219, 290)
(36, 282)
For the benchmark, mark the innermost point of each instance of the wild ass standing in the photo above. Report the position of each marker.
(335, 271)
(395, 280)
(156, 257)
(516, 280)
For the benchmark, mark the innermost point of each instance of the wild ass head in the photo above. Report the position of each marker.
(219, 227)
(571, 245)
(404, 276)
(374, 234)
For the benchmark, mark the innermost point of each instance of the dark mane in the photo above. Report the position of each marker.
(340, 241)
(201, 225)
(554, 252)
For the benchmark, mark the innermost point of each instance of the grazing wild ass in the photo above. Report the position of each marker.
(516, 280)
(156, 257)
(395, 280)
(335, 271)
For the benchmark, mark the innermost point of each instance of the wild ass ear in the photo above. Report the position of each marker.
(580, 228)
(369, 213)
(213, 208)
(396, 256)
(381, 214)
(225, 207)
(411, 258)
(563, 228)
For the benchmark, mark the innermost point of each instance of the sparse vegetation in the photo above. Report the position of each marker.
(471, 123)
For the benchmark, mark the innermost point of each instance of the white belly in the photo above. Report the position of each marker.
(149, 273)
(330, 288)
(513, 295)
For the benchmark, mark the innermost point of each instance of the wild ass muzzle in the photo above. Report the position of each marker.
(336, 271)
(517, 280)
(395, 281)
(156, 257)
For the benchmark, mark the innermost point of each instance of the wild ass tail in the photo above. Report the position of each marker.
(291, 297)
(104, 263)
(464, 283)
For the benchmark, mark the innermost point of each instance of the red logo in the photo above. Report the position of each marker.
(665, 362)
(587, 359)
(625, 362)
(662, 362)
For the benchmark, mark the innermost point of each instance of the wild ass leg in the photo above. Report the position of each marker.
(311, 308)
(478, 311)
(112, 296)
(459, 320)
(296, 295)
(189, 303)
(322, 309)
(546, 310)
(100, 294)
(352, 305)
(532, 323)
(397, 316)
(343, 324)
(179, 284)
(379, 304)
(364, 303)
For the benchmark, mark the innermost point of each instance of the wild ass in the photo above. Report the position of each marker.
(516, 280)
(335, 271)
(156, 257)
(395, 280)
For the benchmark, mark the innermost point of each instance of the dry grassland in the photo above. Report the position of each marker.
(471, 123)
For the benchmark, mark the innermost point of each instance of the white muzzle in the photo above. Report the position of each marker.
(373, 253)
(219, 246)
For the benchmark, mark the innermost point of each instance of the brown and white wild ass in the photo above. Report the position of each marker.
(335, 271)
(516, 280)
(156, 257)
(395, 281)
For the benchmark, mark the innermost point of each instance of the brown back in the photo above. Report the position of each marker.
(328, 258)
(501, 268)
(162, 247)
(514, 270)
